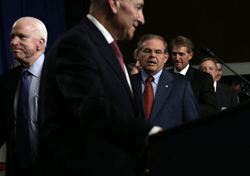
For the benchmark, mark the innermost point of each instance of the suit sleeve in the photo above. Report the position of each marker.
(190, 106)
(208, 103)
(233, 101)
(2, 118)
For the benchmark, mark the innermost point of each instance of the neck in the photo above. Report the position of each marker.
(30, 61)
(106, 18)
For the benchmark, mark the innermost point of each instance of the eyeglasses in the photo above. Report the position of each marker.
(149, 51)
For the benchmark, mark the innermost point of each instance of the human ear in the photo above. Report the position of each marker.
(114, 4)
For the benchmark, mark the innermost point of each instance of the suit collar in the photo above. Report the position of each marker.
(184, 71)
(190, 73)
(156, 76)
(101, 28)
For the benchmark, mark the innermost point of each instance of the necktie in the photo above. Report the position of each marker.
(148, 97)
(22, 124)
(118, 54)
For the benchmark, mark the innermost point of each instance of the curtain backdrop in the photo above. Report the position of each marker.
(50, 12)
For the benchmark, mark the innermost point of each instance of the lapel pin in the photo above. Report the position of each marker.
(166, 86)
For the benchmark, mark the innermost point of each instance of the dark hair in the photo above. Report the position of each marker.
(182, 41)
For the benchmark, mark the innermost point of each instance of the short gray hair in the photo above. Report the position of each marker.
(211, 59)
(146, 37)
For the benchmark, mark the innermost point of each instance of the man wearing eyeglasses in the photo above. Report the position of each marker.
(167, 99)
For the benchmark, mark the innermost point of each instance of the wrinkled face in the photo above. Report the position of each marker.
(209, 67)
(129, 17)
(23, 42)
(152, 57)
(219, 72)
(180, 57)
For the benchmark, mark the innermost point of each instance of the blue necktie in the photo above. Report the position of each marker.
(22, 124)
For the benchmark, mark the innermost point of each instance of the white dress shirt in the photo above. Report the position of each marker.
(184, 71)
(153, 83)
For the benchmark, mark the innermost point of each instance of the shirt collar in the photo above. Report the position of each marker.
(104, 32)
(145, 76)
(184, 71)
(36, 68)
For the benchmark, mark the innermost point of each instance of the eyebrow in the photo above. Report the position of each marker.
(140, 5)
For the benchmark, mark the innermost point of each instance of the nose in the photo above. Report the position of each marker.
(152, 54)
(178, 57)
(141, 18)
(14, 41)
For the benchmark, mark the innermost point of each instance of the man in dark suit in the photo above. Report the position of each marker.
(225, 95)
(173, 102)
(90, 119)
(19, 129)
(241, 97)
(202, 83)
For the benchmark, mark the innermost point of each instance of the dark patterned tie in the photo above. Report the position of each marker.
(118, 54)
(22, 124)
(148, 97)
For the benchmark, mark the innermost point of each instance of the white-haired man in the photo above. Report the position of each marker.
(19, 96)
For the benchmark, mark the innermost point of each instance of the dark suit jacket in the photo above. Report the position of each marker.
(8, 86)
(173, 104)
(202, 85)
(226, 96)
(89, 119)
(243, 98)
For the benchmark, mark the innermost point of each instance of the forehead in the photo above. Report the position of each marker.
(218, 65)
(180, 49)
(208, 63)
(24, 26)
(153, 43)
(136, 1)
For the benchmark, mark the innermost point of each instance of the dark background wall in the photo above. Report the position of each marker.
(221, 26)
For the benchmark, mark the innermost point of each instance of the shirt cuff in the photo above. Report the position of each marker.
(154, 130)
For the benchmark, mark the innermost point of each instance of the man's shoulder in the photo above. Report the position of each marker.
(225, 87)
(175, 75)
(200, 74)
(10, 77)
(136, 77)
(11, 72)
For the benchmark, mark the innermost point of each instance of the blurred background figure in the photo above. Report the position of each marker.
(132, 69)
(225, 95)
(241, 97)
(219, 71)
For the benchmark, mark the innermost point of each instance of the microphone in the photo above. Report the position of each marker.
(208, 52)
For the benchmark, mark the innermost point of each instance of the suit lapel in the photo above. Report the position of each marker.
(190, 74)
(164, 88)
(108, 53)
(138, 93)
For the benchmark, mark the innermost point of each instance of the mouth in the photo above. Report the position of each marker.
(177, 63)
(151, 62)
(16, 49)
